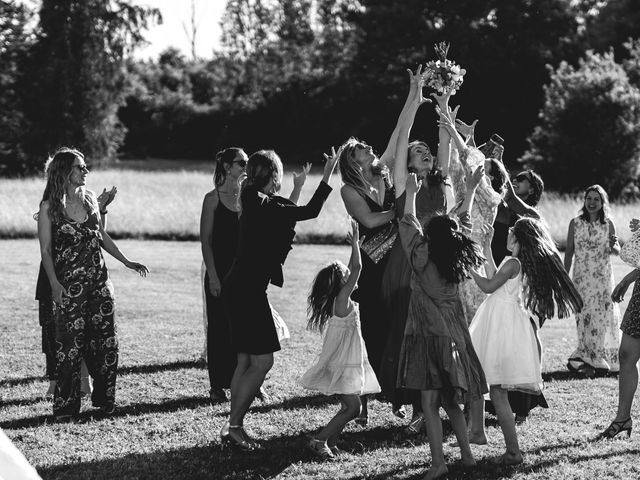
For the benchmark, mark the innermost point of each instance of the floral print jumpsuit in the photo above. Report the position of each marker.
(84, 322)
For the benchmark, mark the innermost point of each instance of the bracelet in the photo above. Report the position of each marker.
(104, 213)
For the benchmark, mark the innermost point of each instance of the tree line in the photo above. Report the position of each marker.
(558, 79)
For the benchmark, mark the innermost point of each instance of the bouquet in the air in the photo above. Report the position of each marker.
(443, 75)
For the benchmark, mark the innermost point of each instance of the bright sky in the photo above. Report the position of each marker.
(171, 33)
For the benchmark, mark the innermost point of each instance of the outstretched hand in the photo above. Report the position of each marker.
(464, 129)
(330, 162)
(299, 178)
(353, 237)
(106, 197)
(473, 180)
(416, 83)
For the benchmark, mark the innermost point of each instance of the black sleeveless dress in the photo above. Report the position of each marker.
(373, 318)
(221, 356)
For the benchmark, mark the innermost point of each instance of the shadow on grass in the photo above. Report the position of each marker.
(133, 409)
(132, 369)
(21, 402)
(566, 375)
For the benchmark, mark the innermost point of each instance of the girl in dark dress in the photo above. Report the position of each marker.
(267, 228)
(71, 241)
(219, 225)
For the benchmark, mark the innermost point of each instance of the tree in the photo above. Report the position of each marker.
(589, 128)
(15, 42)
(78, 74)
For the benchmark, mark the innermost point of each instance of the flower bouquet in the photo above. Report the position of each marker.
(443, 75)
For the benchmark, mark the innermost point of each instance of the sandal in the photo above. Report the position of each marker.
(400, 412)
(616, 428)
(416, 425)
(320, 449)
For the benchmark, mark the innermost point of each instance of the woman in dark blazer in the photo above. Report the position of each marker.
(267, 228)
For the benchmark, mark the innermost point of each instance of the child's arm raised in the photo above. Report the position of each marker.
(510, 269)
(342, 304)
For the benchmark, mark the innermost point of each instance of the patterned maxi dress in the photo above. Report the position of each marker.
(483, 213)
(84, 322)
(597, 324)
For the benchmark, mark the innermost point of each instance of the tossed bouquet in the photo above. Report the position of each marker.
(443, 75)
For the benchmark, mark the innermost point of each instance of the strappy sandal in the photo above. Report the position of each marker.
(416, 425)
(320, 449)
(616, 428)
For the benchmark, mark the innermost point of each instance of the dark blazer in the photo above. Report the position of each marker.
(267, 228)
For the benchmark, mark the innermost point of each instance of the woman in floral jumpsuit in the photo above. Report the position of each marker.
(71, 241)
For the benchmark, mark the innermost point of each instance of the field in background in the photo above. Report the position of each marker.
(163, 199)
(165, 427)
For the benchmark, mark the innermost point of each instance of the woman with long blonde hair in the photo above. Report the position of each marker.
(71, 240)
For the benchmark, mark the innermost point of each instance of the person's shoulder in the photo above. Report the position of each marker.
(512, 266)
(212, 196)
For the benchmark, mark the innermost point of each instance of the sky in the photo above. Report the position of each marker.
(171, 33)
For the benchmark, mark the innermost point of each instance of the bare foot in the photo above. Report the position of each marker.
(436, 471)
(508, 459)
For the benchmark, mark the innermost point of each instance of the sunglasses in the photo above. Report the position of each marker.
(242, 162)
(82, 168)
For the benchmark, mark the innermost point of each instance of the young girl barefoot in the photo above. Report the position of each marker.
(343, 367)
(503, 331)
(437, 355)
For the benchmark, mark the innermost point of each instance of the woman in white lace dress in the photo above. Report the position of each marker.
(591, 239)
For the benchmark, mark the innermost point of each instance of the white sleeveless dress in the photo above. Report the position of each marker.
(342, 366)
(505, 340)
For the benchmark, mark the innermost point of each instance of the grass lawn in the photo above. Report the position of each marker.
(165, 427)
(162, 199)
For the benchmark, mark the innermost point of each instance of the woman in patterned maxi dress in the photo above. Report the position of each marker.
(592, 239)
(71, 237)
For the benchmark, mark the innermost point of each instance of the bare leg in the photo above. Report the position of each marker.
(500, 400)
(476, 422)
(349, 410)
(363, 417)
(244, 385)
(431, 407)
(460, 429)
(628, 378)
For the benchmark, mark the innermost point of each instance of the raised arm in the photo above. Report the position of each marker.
(388, 156)
(355, 267)
(207, 219)
(405, 122)
(298, 182)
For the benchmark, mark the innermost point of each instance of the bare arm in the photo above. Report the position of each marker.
(112, 249)
(207, 219)
(355, 267)
(357, 207)
(298, 182)
(489, 285)
(46, 252)
(614, 246)
(568, 253)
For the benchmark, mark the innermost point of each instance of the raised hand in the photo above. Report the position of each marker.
(299, 178)
(465, 130)
(416, 83)
(353, 237)
(138, 267)
(106, 197)
(472, 181)
(413, 184)
(442, 100)
(330, 164)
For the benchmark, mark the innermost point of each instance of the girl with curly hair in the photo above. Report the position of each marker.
(71, 241)
(592, 240)
(436, 355)
(532, 280)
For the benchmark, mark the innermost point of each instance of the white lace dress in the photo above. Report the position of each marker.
(483, 214)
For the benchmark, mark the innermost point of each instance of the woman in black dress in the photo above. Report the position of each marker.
(219, 225)
(267, 228)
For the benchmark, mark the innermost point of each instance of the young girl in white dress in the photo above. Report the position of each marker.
(504, 333)
(343, 366)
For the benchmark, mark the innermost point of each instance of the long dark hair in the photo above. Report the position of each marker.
(546, 283)
(498, 177)
(452, 252)
(324, 290)
(224, 158)
(57, 169)
(434, 176)
(604, 213)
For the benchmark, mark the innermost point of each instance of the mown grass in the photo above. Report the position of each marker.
(160, 199)
(166, 429)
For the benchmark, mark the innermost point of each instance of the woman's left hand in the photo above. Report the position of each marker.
(301, 177)
(106, 197)
(138, 267)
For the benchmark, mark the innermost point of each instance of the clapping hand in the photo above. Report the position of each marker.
(106, 197)
(300, 177)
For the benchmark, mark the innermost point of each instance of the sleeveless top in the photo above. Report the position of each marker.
(226, 228)
(387, 204)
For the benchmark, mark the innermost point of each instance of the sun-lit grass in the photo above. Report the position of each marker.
(163, 199)
(166, 429)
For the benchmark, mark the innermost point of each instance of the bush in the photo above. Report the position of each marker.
(589, 129)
